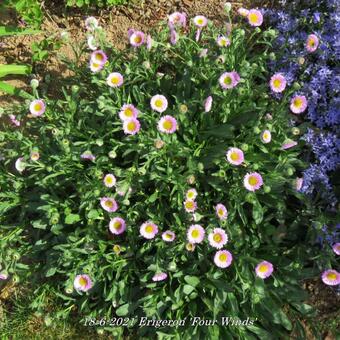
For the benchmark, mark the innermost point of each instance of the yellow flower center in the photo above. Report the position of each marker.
(331, 276)
(200, 21)
(190, 194)
(158, 103)
(253, 17)
(277, 83)
(263, 268)
(168, 236)
(99, 57)
(189, 205)
(109, 204)
(115, 80)
(217, 238)
(220, 212)
(252, 180)
(195, 233)
(223, 257)
(37, 107)
(95, 65)
(227, 80)
(116, 248)
(83, 281)
(167, 125)
(131, 126)
(234, 156)
(298, 102)
(108, 180)
(149, 228)
(128, 112)
(117, 225)
(138, 39)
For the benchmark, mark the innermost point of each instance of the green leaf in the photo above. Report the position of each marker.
(39, 225)
(192, 280)
(72, 218)
(187, 289)
(14, 69)
(123, 310)
(8, 30)
(12, 90)
(257, 213)
(51, 272)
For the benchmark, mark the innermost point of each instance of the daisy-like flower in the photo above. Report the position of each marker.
(266, 136)
(253, 181)
(115, 79)
(223, 258)
(223, 41)
(190, 247)
(34, 155)
(131, 126)
(228, 80)
(167, 124)
(298, 183)
(200, 21)
(91, 23)
(117, 226)
(168, 236)
(278, 83)
(298, 104)
(243, 12)
(14, 120)
(137, 38)
(264, 269)
(109, 204)
(218, 238)
(336, 248)
(3, 276)
(312, 43)
(159, 103)
(37, 107)
(221, 211)
(88, 156)
(177, 19)
(159, 277)
(195, 233)
(255, 17)
(148, 42)
(331, 277)
(148, 230)
(92, 43)
(190, 206)
(96, 67)
(82, 283)
(99, 57)
(173, 37)
(235, 156)
(128, 111)
(20, 164)
(288, 144)
(208, 104)
(191, 194)
(109, 180)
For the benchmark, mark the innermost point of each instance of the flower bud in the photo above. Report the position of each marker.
(112, 154)
(99, 142)
(183, 108)
(34, 83)
(227, 7)
(295, 131)
(191, 179)
(296, 86)
(267, 189)
(272, 56)
(159, 143)
(244, 147)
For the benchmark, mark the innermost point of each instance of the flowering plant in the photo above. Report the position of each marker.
(163, 185)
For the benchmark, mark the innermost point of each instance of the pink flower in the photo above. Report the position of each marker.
(223, 41)
(195, 233)
(336, 248)
(218, 238)
(99, 57)
(177, 19)
(235, 156)
(167, 124)
(208, 104)
(128, 111)
(221, 211)
(228, 80)
(253, 181)
(266, 136)
(298, 104)
(137, 38)
(264, 269)
(168, 236)
(115, 79)
(173, 37)
(148, 230)
(91, 23)
(159, 277)
(288, 144)
(278, 83)
(96, 67)
(243, 12)
(3, 276)
(159, 103)
(14, 120)
(82, 283)
(37, 107)
(88, 156)
(255, 17)
(223, 258)
(109, 204)
(312, 43)
(117, 226)
(109, 180)
(200, 21)
(331, 277)
(131, 126)
(190, 205)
